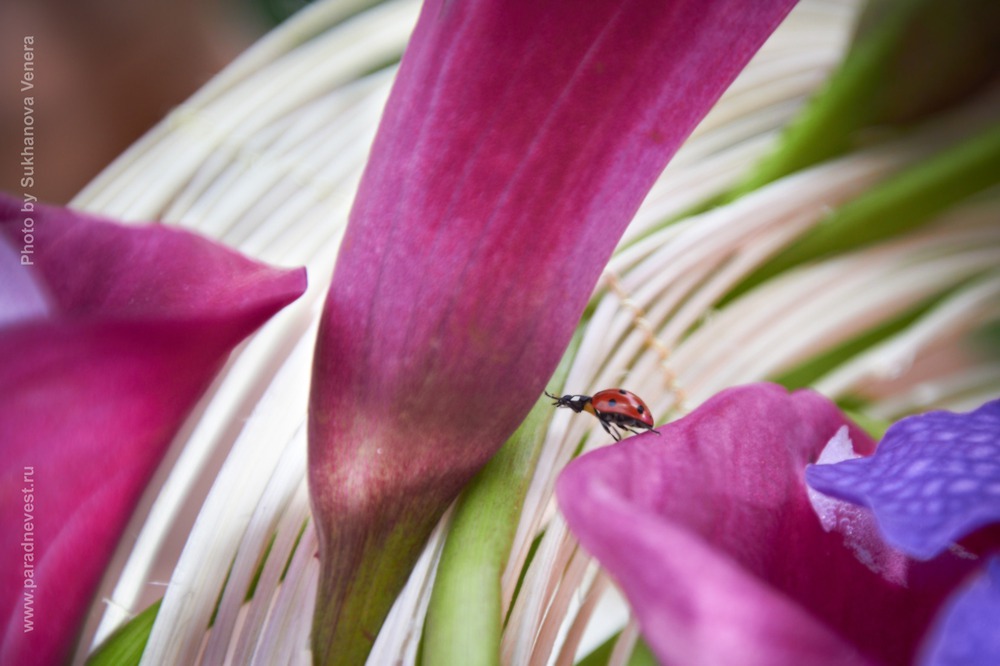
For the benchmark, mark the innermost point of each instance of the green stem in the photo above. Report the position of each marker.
(465, 617)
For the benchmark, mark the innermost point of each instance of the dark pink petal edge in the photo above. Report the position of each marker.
(119, 331)
(934, 479)
(710, 534)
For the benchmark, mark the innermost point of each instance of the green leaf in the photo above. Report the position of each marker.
(901, 203)
(826, 125)
(909, 59)
(946, 53)
(125, 646)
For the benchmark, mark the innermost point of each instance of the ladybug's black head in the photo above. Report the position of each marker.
(575, 402)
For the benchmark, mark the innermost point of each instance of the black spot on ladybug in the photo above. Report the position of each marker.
(640, 409)
(623, 391)
(612, 402)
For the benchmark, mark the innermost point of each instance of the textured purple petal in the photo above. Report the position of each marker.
(119, 332)
(709, 532)
(968, 632)
(934, 479)
(518, 141)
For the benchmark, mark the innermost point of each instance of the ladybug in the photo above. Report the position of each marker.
(614, 408)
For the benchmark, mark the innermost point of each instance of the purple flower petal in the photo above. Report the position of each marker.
(709, 532)
(21, 296)
(934, 479)
(118, 333)
(967, 632)
(518, 142)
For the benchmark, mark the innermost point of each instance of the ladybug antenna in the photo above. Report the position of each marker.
(554, 397)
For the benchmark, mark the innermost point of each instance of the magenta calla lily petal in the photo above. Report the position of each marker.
(518, 141)
(967, 633)
(710, 533)
(934, 479)
(120, 330)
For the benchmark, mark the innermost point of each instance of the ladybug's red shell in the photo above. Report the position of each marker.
(623, 405)
(617, 409)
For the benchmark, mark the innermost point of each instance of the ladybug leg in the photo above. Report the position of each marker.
(610, 429)
(642, 427)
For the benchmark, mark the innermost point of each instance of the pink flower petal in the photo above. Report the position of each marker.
(710, 533)
(518, 142)
(128, 328)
